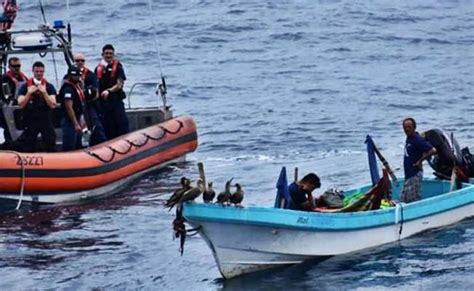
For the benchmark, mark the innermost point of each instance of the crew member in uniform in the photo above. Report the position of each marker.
(73, 99)
(111, 78)
(89, 85)
(13, 79)
(37, 98)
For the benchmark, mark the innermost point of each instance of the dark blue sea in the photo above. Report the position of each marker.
(269, 84)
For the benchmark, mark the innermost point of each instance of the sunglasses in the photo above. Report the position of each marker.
(15, 66)
(80, 60)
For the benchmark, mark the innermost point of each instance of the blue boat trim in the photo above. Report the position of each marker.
(316, 221)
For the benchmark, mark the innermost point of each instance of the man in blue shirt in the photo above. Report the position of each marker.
(301, 192)
(417, 149)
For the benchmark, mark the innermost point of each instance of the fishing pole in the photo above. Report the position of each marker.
(161, 87)
(52, 53)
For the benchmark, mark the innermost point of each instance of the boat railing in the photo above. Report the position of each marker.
(63, 43)
(145, 83)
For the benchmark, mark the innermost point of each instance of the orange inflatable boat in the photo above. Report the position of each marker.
(67, 177)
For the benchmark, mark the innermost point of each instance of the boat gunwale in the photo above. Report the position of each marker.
(331, 222)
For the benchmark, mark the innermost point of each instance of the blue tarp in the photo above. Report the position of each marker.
(282, 199)
(374, 171)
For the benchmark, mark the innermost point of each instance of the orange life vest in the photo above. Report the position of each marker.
(31, 82)
(15, 80)
(101, 68)
(79, 91)
(36, 102)
(85, 71)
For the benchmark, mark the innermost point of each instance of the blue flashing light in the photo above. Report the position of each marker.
(59, 23)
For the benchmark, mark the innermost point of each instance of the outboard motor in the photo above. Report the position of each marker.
(468, 160)
(449, 154)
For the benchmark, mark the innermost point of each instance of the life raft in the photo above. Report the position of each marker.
(97, 171)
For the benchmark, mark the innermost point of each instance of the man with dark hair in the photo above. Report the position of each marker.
(301, 192)
(37, 98)
(11, 82)
(111, 78)
(417, 149)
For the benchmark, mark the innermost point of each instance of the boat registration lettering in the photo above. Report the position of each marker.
(30, 161)
(302, 220)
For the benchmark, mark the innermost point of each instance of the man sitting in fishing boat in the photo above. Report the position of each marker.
(301, 192)
(417, 149)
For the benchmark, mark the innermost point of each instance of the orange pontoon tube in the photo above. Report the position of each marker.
(95, 171)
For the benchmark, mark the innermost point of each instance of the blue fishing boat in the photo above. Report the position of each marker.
(251, 238)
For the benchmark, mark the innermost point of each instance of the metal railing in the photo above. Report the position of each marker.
(130, 92)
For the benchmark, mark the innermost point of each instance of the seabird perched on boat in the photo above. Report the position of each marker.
(237, 196)
(224, 197)
(185, 186)
(208, 194)
(193, 193)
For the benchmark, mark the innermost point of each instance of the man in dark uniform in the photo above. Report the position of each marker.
(73, 98)
(37, 98)
(90, 83)
(111, 78)
(78, 112)
(12, 79)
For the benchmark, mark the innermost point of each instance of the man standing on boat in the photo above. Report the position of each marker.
(90, 85)
(417, 149)
(37, 98)
(111, 78)
(11, 81)
(76, 110)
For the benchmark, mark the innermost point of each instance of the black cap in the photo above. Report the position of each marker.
(74, 71)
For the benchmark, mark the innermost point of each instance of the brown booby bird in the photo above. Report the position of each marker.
(209, 194)
(237, 196)
(193, 193)
(185, 186)
(223, 197)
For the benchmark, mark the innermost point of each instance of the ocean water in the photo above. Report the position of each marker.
(269, 84)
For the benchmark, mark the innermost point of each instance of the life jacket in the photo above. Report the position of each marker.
(89, 82)
(37, 104)
(113, 74)
(107, 80)
(16, 80)
(77, 103)
(79, 91)
(84, 73)
(31, 82)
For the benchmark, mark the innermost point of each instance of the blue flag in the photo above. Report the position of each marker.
(374, 171)
(282, 199)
